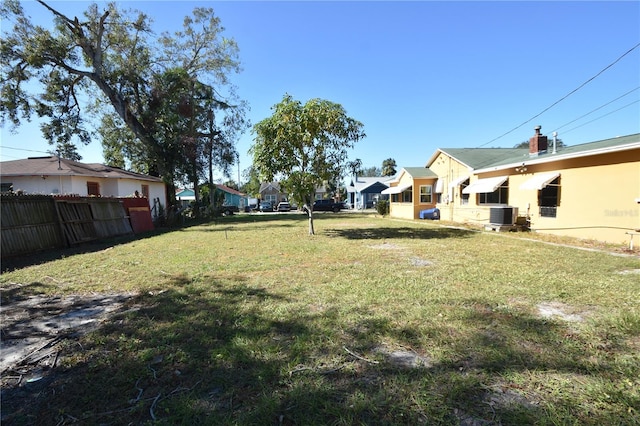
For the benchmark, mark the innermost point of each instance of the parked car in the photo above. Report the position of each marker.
(228, 209)
(326, 205)
(266, 206)
(250, 207)
(284, 206)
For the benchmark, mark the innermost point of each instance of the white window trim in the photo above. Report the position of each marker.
(429, 193)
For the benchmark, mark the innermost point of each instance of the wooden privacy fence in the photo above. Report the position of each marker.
(31, 223)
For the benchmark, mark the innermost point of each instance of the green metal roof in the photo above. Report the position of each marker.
(478, 158)
(482, 158)
(419, 172)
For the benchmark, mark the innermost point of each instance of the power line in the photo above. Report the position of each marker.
(565, 96)
(22, 149)
(600, 107)
(602, 116)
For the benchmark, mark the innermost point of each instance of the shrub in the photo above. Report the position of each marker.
(382, 207)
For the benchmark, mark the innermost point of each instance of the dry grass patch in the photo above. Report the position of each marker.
(371, 321)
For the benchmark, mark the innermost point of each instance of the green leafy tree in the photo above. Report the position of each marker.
(157, 90)
(525, 144)
(305, 146)
(372, 171)
(389, 167)
(231, 184)
(251, 185)
(355, 167)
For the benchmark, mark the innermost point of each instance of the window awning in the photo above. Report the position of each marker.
(485, 185)
(539, 182)
(458, 181)
(395, 189)
(439, 185)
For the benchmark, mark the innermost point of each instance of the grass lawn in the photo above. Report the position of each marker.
(371, 321)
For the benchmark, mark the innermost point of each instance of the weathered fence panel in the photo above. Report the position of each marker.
(33, 223)
(29, 223)
(110, 217)
(77, 221)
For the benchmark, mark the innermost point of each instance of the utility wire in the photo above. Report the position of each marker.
(22, 149)
(602, 116)
(565, 96)
(600, 107)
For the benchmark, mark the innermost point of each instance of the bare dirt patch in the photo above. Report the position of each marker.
(630, 272)
(386, 246)
(560, 310)
(33, 327)
(403, 358)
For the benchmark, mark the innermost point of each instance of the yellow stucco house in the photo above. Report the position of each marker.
(411, 191)
(589, 191)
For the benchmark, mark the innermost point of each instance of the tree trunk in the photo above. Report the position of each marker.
(310, 214)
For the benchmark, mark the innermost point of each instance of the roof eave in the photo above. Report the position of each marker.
(548, 158)
(443, 151)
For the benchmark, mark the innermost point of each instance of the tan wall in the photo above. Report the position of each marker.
(450, 170)
(402, 210)
(412, 210)
(597, 197)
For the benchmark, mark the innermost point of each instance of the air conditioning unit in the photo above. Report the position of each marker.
(503, 215)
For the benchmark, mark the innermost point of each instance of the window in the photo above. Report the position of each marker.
(6, 187)
(272, 198)
(425, 194)
(499, 196)
(93, 188)
(549, 198)
(464, 198)
(407, 196)
(145, 191)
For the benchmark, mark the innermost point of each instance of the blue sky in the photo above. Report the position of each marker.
(422, 75)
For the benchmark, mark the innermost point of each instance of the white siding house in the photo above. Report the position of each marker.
(51, 175)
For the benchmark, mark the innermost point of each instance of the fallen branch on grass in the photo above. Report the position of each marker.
(360, 357)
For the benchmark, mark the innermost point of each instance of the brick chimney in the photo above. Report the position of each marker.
(537, 143)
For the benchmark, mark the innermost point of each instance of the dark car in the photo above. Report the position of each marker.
(327, 205)
(266, 206)
(228, 209)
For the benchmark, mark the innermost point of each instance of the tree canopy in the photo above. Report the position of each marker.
(164, 104)
(389, 167)
(525, 144)
(305, 146)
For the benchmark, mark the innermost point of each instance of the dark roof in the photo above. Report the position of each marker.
(51, 166)
(265, 185)
(228, 190)
(361, 183)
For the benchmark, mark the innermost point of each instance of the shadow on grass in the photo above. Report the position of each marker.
(22, 292)
(10, 263)
(380, 232)
(214, 352)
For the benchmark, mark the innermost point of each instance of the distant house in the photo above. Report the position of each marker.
(364, 192)
(184, 197)
(272, 192)
(587, 191)
(53, 175)
(232, 197)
